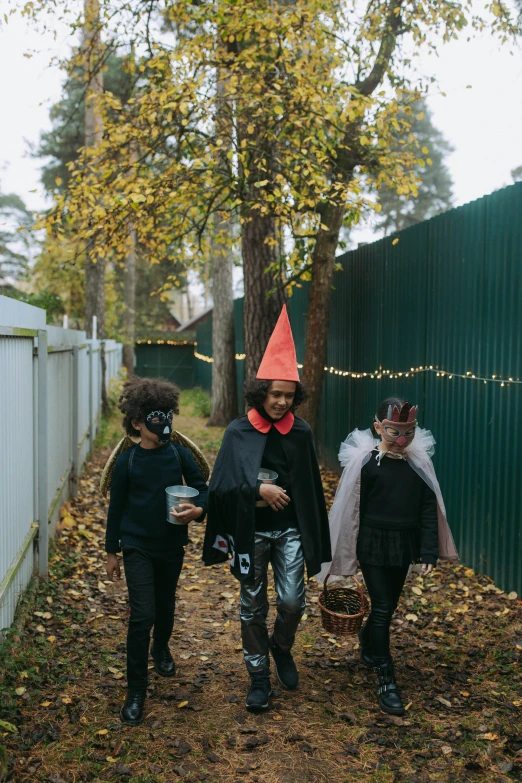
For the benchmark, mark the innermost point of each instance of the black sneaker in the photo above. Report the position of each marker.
(286, 669)
(163, 661)
(387, 690)
(259, 693)
(132, 711)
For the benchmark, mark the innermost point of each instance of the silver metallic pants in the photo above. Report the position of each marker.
(283, 549)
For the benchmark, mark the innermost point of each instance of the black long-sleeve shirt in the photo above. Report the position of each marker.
(137, 509)
(395, 497)
(274, 458)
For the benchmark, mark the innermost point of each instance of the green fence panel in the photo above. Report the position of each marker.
(175, 362)
(447, 298)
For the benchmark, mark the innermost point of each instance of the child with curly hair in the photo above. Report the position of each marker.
(152, 548)
(284, 524)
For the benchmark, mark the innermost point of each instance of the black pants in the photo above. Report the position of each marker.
(384, 584)
(151, 580)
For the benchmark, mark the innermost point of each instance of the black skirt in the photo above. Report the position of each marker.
(384, 547)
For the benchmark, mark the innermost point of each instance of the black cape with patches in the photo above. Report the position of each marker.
(231, 503)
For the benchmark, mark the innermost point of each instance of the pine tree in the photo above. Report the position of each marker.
(435, 189)
(14, 242)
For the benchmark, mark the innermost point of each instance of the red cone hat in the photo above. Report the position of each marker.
(280, 361)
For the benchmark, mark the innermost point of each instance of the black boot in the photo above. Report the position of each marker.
(132, 711)
(260, 691)
(286, 669)
(387, 691)
(365, 647)
(163, 661)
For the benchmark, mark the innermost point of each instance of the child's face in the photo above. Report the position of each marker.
(279, 398)
(156, 429)
(396, 435)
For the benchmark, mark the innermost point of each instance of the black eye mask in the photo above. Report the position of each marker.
(162, 427)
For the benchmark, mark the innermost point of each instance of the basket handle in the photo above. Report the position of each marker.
(357, 584)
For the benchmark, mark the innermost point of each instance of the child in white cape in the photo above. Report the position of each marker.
(388, 513)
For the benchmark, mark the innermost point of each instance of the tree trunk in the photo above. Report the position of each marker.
(129, 296)
(224, 384)
(94, 265)
(318, 317)
(260, 311)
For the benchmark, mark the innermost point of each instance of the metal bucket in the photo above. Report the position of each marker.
(175, 496)
(267, 477)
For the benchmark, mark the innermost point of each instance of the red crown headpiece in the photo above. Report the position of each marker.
(407, 413)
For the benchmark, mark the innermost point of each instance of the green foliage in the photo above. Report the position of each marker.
(435, 185)
(516, 174)
(14, 240)
(57, 271)
(196, 402)
(67, 136)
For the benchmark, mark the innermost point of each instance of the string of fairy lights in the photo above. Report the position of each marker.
(380, 373)
(375, 375)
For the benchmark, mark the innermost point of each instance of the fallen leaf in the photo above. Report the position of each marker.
(111, 760)
(277, 717)
(412, 618)
(512, 596)
(20, 691)
(102, 732)
(416, 590)
(51, 639)
(40, 629)
(182, 704)
(67, 700)
(489, 735)
(444, 701)
(46, 704)
(5, 726)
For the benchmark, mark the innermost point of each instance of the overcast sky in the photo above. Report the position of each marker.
(483, 123)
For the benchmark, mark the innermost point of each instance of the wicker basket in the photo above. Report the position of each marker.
(343, 608)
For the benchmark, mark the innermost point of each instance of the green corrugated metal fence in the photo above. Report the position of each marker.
(448, 295)
(174, 361)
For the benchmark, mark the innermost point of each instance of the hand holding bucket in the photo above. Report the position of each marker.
(279, 498)
(179, 499)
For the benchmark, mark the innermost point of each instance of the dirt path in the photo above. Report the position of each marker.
(457, 640)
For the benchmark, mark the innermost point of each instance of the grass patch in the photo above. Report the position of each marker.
(195, 402)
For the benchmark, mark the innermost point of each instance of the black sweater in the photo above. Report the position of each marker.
(274, 458)
(137, 509)
(394, 497)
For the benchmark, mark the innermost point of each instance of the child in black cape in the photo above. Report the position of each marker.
(258, 523)
(388, 513)
(153, 549)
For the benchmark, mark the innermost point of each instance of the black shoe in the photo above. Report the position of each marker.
(286, 669)
(387, 691)
(132, 711)
(365, 650)
(259, 693)
(163, 661)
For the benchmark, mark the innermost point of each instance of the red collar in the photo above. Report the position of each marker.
(261, 424)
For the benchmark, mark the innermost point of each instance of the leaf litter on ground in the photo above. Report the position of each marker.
(457, 642)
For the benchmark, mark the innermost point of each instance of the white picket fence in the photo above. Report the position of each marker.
(50, 406)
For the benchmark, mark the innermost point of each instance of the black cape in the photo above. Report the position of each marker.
(232, 496)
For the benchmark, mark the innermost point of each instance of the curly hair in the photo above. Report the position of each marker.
(255, 393)
(142, 395)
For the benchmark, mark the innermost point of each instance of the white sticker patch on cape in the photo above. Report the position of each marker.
(221, 544)
(244, 563)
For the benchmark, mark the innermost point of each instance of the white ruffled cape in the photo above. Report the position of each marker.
(344, 514)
